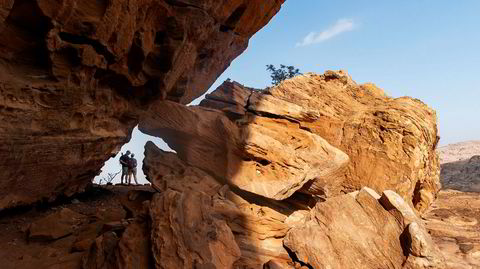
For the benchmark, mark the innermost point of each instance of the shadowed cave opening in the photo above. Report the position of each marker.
(136, 146)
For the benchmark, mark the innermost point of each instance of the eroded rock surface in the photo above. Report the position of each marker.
(75, 74)
(362, 229)
(454, 223)
(348, 233)
(390, 142)
(191, 219)
(56, 225)
(211, 220)
(269, 157)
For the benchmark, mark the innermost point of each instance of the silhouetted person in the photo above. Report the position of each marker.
(124, 161)
(132, 169)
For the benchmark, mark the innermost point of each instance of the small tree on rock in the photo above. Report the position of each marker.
(282, 73)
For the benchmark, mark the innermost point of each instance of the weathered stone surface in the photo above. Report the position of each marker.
(258, 230)
(134, 249)
(422, 248)
(102, 252)
(186, 228)
(373, 193)
(349, 233)
(274, 264)
(395, 204)
(454, 224)
(55, 225)
(185, 233)
(166, 171)
(391, 142)
(270, 157)
(298, 218)
(423, 253)
(76, 74)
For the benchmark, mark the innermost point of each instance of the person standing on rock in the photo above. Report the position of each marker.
(132, 169)
(124, 161)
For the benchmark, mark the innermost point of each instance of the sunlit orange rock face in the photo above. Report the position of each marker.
(317, 134)
(76, 74)
(391, 142)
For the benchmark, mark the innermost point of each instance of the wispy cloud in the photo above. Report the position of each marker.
(341, 26)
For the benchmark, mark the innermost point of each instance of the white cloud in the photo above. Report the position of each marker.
(341, 26)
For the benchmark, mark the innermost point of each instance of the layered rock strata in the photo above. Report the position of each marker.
(191, 219)
(390, 142)
(75, 74)
(197, 220)
(269, 157)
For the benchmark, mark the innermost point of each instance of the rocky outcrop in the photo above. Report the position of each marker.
(204, 222)
(349, 233)
(256, 175)
(195, 214)
(250, 153)
(462, 175)
(76, 74)
(460, 166)
(359, 231)
(190, 219)
(390, 142)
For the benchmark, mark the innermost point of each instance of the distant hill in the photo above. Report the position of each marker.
(460, 164)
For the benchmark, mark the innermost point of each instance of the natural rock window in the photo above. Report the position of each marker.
(135, 146)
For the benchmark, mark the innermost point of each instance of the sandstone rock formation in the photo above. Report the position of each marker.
(205, 223)
(191, 219)
(251, 153)
(348, 233)
(454, 223)
(76, 74)
(202, 215)
(259, 178)
(390, 142)
(55, 226)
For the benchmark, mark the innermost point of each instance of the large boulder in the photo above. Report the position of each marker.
(390, 141)
(358, 231)
(75, 74)
(348, 233)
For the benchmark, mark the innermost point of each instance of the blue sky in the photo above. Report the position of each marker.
(429, 50)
